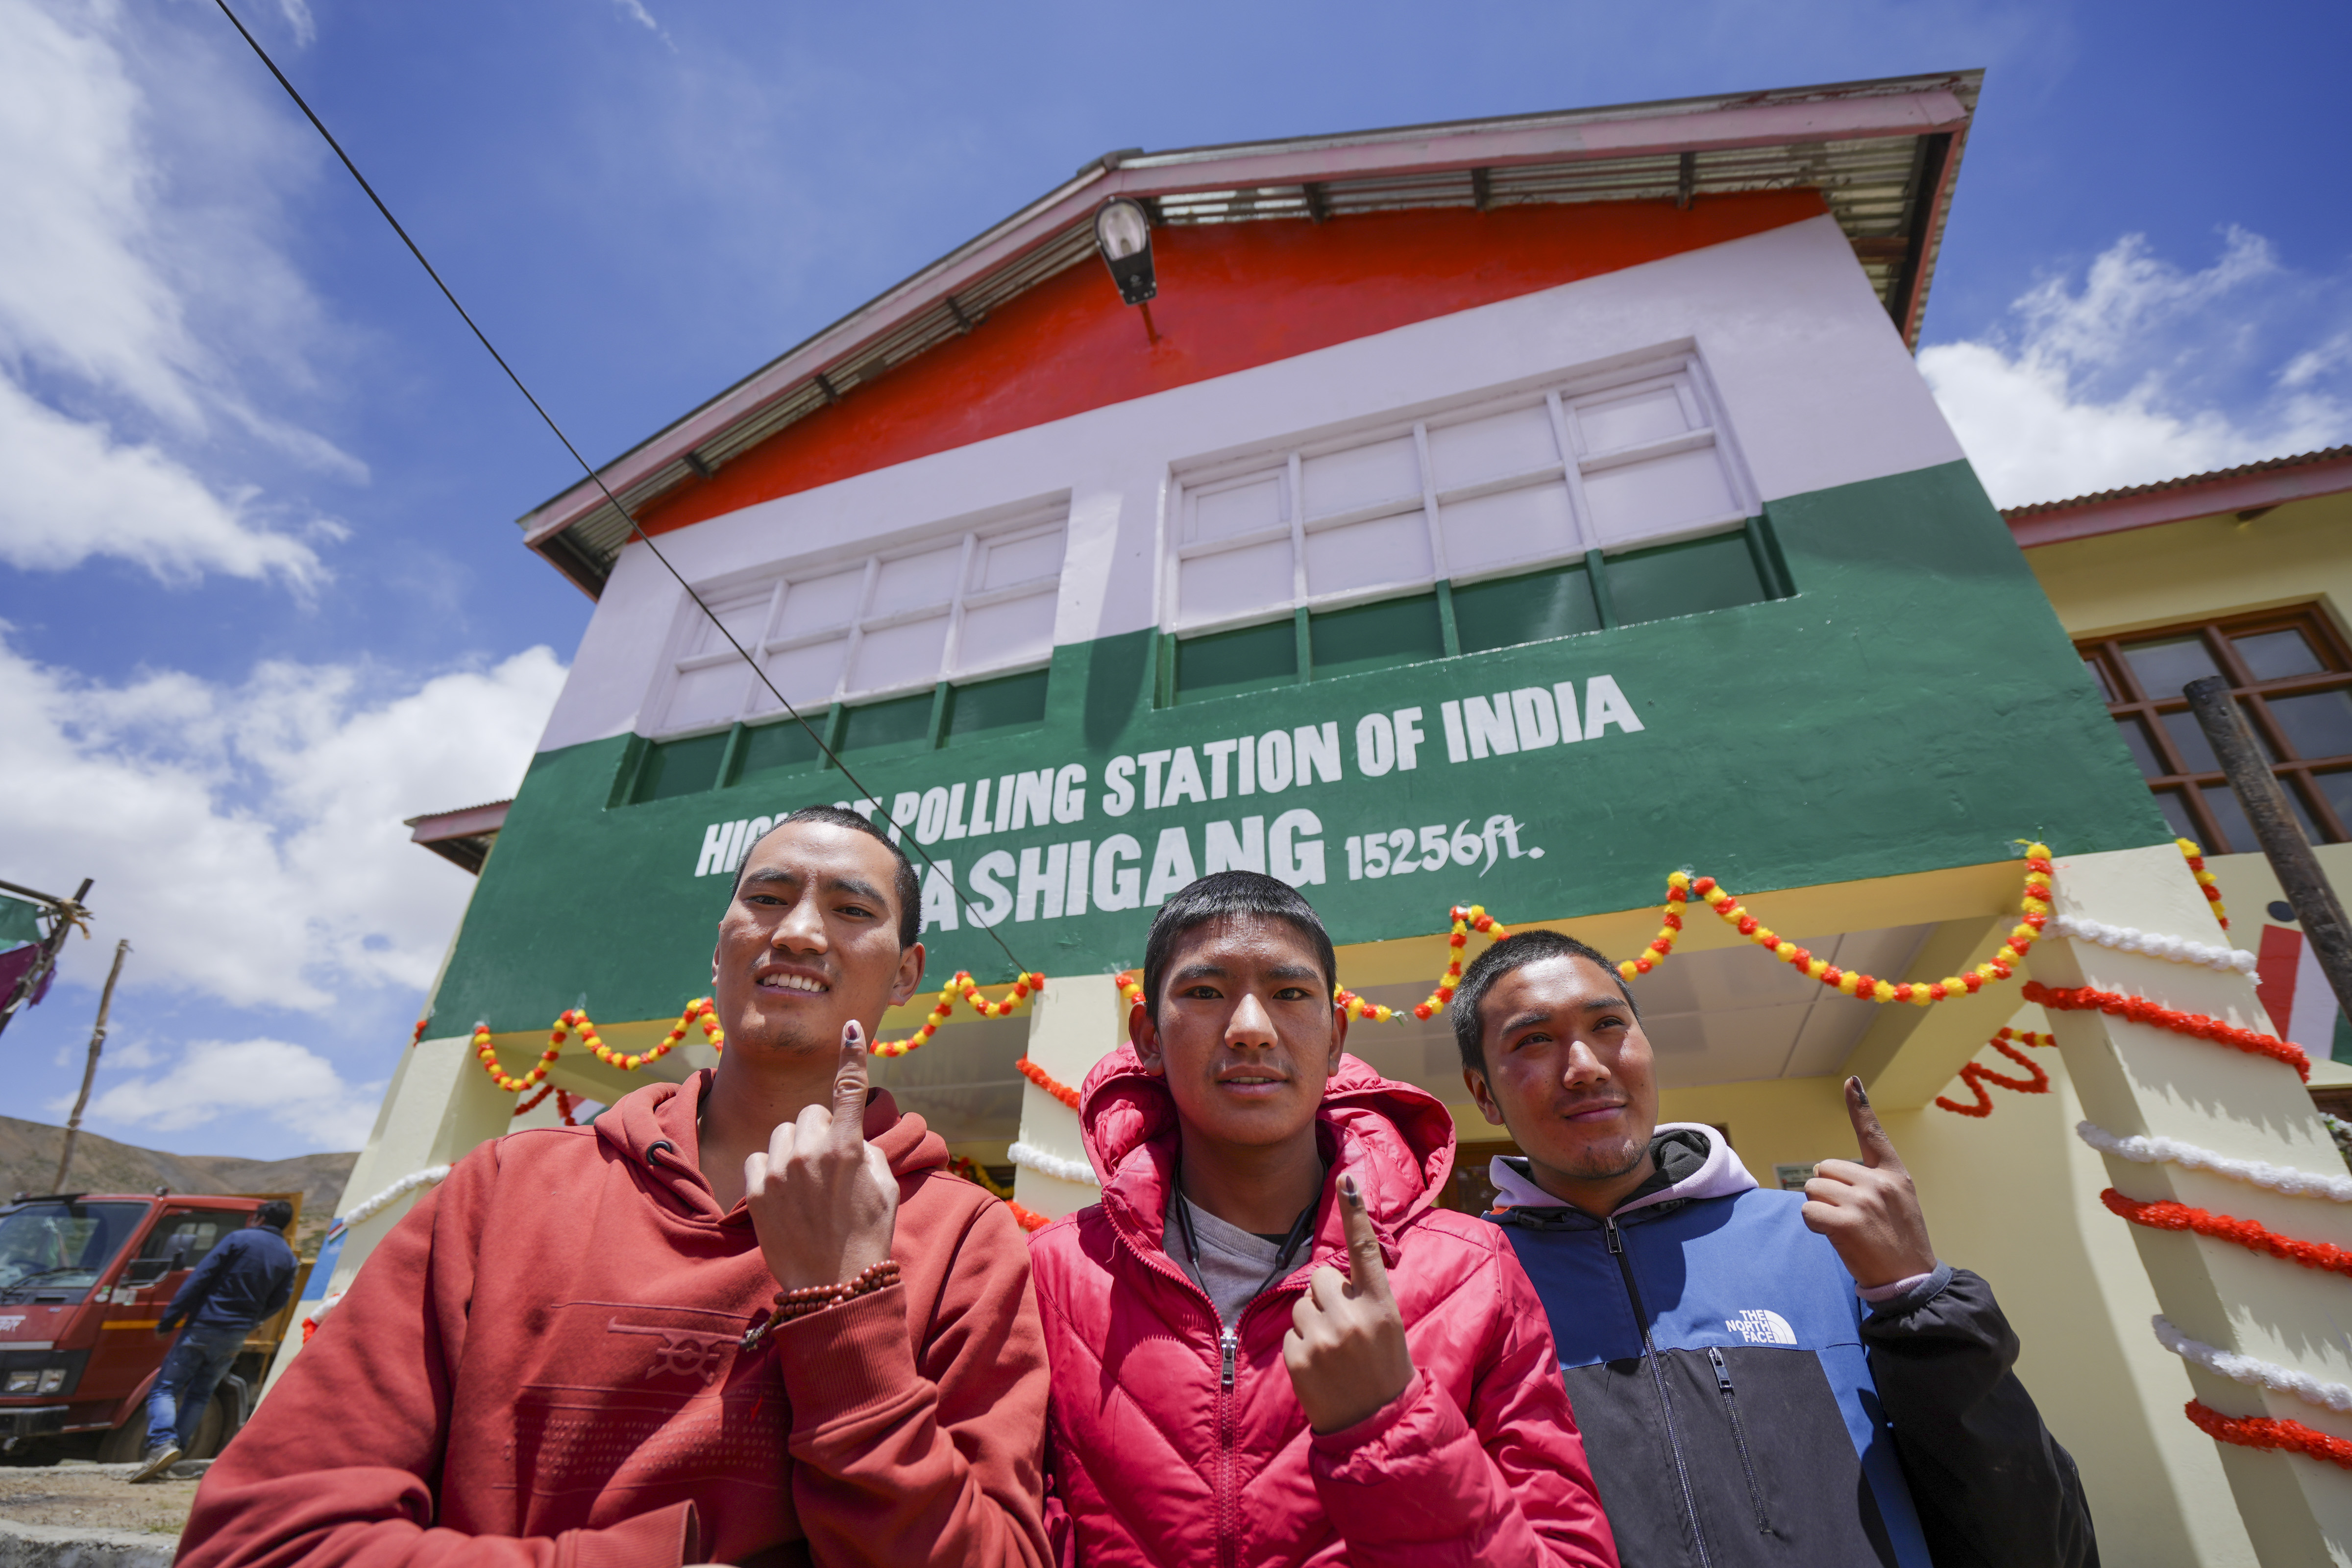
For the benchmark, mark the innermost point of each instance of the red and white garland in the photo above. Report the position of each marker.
(2198, 1025)
(1031, 1157)
(2245, 1233)
(2152, 1149)
(2252, 1371)
(2269, 1432)
(2173, 949)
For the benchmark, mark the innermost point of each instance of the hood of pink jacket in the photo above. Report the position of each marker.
(1397, 1140)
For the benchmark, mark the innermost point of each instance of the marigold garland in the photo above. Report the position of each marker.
(962, 986)
(416, 1036)
(2198, 1025)
(1025, 1217)
(1976, 1075)
(2034, 915)
(2205, 882)
(2245, 1233)
(701, 1010)
(1048, 1082)
(2269, 1432)
(973, 1171)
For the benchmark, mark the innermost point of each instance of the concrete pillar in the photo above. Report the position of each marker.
(439, 1106)
(1074, 1023)
(2139, 1079)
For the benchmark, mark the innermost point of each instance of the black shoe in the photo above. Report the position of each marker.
(158, 1460)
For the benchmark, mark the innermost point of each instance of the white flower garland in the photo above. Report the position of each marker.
(2146, 1149)
(1052, 1165)
(2175, 949)
(2252, 1371)
(432, 1176)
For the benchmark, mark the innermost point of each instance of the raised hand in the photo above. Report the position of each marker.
(1346, 1348)
(1870, 1212)
(824, 1202)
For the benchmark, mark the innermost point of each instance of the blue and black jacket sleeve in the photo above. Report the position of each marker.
(1992, 1486)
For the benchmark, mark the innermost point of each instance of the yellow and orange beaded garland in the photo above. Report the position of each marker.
(962, 986)
(2190, 852)
(2003, 965)
(699, 1010)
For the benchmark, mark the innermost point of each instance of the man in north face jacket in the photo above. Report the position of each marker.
(1760, 1377)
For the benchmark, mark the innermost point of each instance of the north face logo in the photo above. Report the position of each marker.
(1759, 1327)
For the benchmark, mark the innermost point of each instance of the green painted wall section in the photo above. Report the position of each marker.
(1915, 706)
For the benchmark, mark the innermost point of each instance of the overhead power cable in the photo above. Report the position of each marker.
(594, 477)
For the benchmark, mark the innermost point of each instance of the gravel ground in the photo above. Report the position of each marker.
(99, 1497)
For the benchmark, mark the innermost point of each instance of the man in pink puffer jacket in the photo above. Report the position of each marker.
(1221, 1395)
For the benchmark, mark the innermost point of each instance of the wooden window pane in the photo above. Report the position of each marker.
(2275, 655)
(2099, 679)
(2221, 802)
(2317, 725)
(2338, 788)
(900, 725)
(2165, 665)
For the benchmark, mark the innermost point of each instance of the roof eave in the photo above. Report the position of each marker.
(1927, 106)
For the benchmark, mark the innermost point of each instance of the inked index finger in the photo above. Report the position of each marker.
(1878, 1149)
(849, 1082)
(1367, 1271)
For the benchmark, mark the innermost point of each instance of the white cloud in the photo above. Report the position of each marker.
(2144, 373)
(274, 1079)
(142, 190)
(74, 492)
(248, 837)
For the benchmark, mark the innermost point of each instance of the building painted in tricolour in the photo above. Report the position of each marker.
(1508, 513)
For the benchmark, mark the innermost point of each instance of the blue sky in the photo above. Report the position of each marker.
(260, 593)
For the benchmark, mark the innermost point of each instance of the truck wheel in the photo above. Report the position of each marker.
(126, 1443)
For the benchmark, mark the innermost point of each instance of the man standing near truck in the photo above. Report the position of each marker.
(241, 1281)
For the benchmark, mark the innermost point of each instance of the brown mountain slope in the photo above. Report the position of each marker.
(28, 1162)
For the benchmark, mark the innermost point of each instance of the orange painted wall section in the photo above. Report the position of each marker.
(1231, 296)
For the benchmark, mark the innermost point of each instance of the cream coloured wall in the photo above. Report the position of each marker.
(2203, 566)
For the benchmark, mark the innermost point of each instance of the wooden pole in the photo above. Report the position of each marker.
(89, 1070)
(2257, 788)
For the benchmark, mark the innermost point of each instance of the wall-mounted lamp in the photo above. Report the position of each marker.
(1123, 234)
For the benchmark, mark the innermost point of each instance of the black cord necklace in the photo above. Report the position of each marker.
(1300, 1228)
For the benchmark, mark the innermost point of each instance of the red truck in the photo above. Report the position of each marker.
(83, 1278)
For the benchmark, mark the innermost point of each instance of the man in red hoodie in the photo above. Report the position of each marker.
(1223, 1394)
(748, 1319)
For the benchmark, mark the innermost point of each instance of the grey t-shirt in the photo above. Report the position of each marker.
(1234, 1262)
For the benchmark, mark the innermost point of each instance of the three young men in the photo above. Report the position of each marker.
(1761, 1378)
(750, 1319)
(747, 1319)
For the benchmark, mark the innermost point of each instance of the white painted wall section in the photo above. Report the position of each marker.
(1813, 386)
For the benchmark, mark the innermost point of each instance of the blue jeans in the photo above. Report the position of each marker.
(176, 1406)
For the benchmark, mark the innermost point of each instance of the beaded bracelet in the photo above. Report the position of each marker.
(792, 1305)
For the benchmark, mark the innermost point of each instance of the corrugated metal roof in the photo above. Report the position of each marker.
(2187, 481)
(2248, 490)
(1883, 154)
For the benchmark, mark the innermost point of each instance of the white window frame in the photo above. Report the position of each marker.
(978, 540)
(1680, 367)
